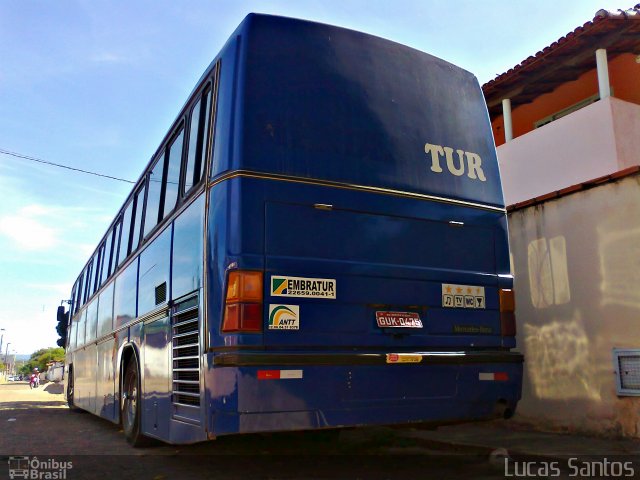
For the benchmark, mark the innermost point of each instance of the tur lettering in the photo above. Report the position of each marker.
(457, 163)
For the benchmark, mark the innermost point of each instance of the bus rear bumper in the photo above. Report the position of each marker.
(260, 392)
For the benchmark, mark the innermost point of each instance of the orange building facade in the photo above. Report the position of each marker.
(624, 76)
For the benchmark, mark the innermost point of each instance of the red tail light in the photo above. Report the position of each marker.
(243, 305)
(507, 313)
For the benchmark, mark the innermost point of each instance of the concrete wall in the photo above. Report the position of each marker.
(576, 262)
(55, 372)
(594, 141)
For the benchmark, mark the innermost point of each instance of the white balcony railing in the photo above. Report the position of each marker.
(595, 141)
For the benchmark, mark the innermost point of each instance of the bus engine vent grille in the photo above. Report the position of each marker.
(186, 360)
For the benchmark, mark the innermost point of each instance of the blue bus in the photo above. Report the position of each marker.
(319, 241)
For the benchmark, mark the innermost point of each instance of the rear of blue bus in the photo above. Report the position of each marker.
(357, 261)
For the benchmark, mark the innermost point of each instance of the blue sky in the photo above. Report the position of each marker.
(95, 85)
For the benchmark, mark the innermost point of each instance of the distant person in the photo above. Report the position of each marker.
(35, 378)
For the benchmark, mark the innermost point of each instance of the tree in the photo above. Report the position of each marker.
(41, 357)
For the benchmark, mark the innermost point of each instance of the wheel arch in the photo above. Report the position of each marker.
(128, 351)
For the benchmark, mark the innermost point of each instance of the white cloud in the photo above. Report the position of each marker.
(108, 57)
(59, 289)
(26, 231)
(86, 249)
(36, 210)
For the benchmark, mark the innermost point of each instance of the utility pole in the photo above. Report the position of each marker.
(6, 353)
(1, 338)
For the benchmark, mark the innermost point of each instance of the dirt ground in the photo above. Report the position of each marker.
(37, 424)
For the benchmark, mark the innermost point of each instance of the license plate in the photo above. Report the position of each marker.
(398, 320)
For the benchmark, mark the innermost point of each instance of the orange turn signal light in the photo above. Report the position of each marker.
(507, 300)
(244, 286)
(507, 313)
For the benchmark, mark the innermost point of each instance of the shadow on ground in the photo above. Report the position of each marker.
(54, 388)
(29, 405)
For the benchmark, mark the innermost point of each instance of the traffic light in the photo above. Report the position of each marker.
(61, 327)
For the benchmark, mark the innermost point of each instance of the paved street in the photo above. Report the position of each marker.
(37, 423)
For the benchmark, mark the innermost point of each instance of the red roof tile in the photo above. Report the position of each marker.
(618, 31)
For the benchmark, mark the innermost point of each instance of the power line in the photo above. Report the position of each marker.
(39, 160)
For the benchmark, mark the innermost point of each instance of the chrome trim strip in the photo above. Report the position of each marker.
(189, 345)
(261, 359)
(351, 186)
(178, 417)
(156, 314)
(186, 394)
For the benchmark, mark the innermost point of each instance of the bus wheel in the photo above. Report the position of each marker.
(131, 406)
(72, 406)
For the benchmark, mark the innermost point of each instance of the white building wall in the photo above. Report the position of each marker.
(577, 281)
(55, 371)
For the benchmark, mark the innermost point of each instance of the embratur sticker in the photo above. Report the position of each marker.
(303, 287)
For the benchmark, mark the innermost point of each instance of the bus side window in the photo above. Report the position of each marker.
(78, 299)
(105, 311)
(82, 323)
(137, 221)
(105, 270)
(87, 281)
(70, 332)
(172, 181)
(194, 144)
(153, 280)
(154, 194)
(116, 245)
(72, 335)
(125, 293)
(99, 262)
(204, 132)
(94, 273)
(92, 276)
(125, 239)
(186, 264)
(92, 321)
(198, 129)
(72, 307)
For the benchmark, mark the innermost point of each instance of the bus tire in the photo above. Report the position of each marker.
(131, 405)
(70, 404)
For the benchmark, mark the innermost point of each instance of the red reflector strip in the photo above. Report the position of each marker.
(279, 374)
(268, 374)
(494, 377)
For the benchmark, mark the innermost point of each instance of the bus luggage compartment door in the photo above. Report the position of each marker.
(329, 272)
